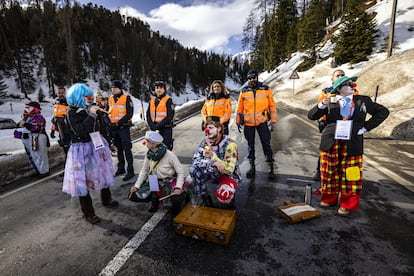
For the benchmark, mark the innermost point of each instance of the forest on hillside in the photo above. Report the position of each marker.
(275, 29)
(67, 42)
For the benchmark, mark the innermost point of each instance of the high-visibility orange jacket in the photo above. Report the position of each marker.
(217, 105)
(118, 109)
(256, 106)
(159, 112)
(59, 110)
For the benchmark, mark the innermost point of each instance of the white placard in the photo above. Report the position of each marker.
(297, 209)
(97, 140)
(343, 129)
(153, 183)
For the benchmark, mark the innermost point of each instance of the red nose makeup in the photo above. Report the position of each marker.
(207, 131)
(144, 142)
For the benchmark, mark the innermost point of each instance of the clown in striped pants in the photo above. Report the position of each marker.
(341, 177)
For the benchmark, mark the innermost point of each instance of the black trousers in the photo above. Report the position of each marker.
(178, 201)
(264, 135)
(167, 134)
(86, 202)
(122, 140)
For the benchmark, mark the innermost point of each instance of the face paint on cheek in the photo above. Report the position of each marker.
(212, 132)
(347, 90)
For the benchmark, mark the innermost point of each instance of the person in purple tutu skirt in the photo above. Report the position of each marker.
(89, 164)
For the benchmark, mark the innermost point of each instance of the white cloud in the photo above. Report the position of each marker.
(207, 26)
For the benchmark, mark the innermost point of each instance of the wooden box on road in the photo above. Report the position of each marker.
(206, 223)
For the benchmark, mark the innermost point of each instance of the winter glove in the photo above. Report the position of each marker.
(321, 125)
(239, 127)
(362, 131)
(271, 126)
(113, 126)
(52, 134)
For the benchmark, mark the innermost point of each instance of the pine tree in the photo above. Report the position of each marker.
(356, 40)
(311, 29)
(282, 23)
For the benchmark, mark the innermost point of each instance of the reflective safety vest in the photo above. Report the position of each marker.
(159, 112)
(220, 107)
(117, 109)
(256, 108)
(59, 110)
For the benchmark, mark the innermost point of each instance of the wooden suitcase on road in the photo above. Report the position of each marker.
(205, 223)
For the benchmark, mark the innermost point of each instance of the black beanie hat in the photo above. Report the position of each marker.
(251, 74)
(117, 84)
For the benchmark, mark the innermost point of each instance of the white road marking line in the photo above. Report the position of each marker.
(389, 173)
(119, 260)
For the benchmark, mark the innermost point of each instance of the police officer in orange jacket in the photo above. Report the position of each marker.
(160, 114)
(256, 111)
(121, 110)
(60, 108)
(218, 104)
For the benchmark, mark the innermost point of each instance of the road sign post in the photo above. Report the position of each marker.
(294, 76)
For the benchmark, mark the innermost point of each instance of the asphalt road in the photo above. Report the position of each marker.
(42, 232)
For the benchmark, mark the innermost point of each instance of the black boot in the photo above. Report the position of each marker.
(106, 198)
(271, 171)
(252, 171)
(154, 203)
(178, 203)
(317, 176)
(207, 201)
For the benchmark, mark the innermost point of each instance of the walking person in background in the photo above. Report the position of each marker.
(341, 146)
(163, 166)
(89, 163)
(215, 163)
(35, 140)
(218, 104)
(121, 110)
(160, 114)
(256, 111)
(58, 120)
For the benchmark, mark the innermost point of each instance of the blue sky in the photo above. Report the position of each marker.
(214, 25)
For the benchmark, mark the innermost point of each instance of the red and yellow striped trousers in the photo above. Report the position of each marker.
(334, 165)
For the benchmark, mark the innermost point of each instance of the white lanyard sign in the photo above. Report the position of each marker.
(343, 129)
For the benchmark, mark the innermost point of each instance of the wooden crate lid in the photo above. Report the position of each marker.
(206, 217)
